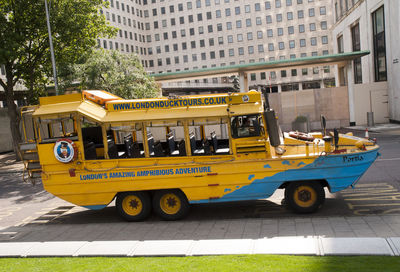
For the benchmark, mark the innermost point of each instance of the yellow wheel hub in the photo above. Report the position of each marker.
(170, 204)
(132, 205)
(305, 196)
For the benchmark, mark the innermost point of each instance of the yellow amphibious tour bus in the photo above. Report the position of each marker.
(164, 154)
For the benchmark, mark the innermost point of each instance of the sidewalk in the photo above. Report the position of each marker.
(391, 128)
(9, 165)
(318, 246)
(77, 235)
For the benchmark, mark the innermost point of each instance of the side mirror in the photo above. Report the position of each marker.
(323, 124)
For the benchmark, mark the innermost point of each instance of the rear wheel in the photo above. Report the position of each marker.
(133, 206)
(305, 196)
(170, 204)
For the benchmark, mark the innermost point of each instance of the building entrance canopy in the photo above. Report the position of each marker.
(337, 59)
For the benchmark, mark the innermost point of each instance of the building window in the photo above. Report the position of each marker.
(281, 45)
(324, 25)
(312, 27)
(313, 41)
(322, 11)
(267, 5)
(230, 39)
(302, 42)
(355, 38)
(248, 22)
(270, 47)
(280, 31)
(249, 36)
(251, 49)
(291, 30)
(237, 10)
(301, 28)
(340, 44)
(283, 73)
(311, 12)
(378, 23)
(269, 19)
(241, 50)
(324, 39)
(291, 44)
(239, 37)
(279, 17)
(290, 15)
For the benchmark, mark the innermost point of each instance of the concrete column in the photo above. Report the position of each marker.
(279, 88)
(322, 84)
(350, 89)
(337, 79)
(300, 86)
(244, 84)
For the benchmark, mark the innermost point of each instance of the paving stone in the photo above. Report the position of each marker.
(219, 247)
(286, 245)
(355, 246)
(18, 249)
(162, 248)
(395, 244)
(107, 248)
(55, 249)
(345, 234)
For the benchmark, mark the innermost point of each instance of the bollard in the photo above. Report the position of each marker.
(370, 119)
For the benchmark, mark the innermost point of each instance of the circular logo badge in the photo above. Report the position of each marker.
(64, 150)
(245, 98)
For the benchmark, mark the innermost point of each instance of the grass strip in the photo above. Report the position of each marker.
(206, 263)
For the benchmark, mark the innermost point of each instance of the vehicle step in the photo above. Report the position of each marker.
(30, 156)
(34, 166)
(36, 174)
(27, 146)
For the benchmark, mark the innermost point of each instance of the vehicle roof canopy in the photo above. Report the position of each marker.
(105, 107)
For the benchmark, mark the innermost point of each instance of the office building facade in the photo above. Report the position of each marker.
(179, 35)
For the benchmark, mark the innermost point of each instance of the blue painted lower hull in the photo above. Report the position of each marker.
(340, 171)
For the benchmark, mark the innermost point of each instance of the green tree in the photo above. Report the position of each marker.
(24, 42)
(116, 72)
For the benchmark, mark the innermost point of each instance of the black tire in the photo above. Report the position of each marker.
(170, 204)
(133, 206)
(304, 196)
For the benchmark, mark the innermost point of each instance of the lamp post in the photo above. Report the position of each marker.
(53, 61)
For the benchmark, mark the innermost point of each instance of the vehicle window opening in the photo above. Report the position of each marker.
(92, 137)
(166, 138)
(125, 141)
(247, 126)
(52, 130)
(209, 137)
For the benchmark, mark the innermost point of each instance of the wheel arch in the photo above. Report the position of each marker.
(322, 182)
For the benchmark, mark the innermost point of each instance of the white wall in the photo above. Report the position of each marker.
(392, 11)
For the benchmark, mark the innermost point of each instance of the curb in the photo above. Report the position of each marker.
(309, 246)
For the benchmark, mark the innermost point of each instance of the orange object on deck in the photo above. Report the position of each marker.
(100, 97)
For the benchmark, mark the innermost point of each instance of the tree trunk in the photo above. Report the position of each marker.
(12, 111)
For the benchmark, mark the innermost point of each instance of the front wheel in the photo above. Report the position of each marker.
(133, 206)
(305, 196)
(170, 204)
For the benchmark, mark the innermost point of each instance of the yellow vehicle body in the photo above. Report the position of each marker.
(249, 168)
